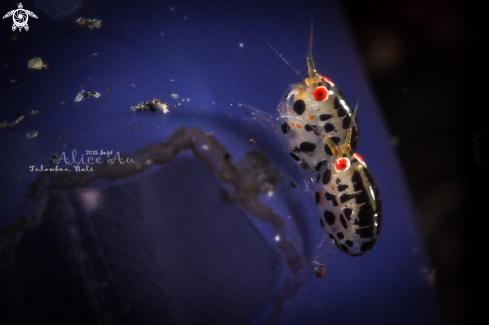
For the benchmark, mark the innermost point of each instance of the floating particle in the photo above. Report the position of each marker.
(188, 100)
(293, 184)
(12, 81)
(241, 45)
(35, 112)
(6, 125)
(85, 94)
(31, 134)
(90, 23)
(172, 8)
(36, 64)
(94, 54)
(109, 91)
(62, 103)
(172, 80)
(174, 96)
(151, 106)
(252, 142)
(320, 271)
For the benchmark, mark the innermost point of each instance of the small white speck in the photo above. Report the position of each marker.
(188, 99)
(231, 104)
(172, 80)
(174, 96)
(213, 103)
(241, 44)
(94, 54)
(184, 17)
(172, 8)
(133, 85)
(205, 147)
(183, 99)
(162, 34)
(277, 238)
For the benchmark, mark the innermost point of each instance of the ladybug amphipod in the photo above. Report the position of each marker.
(321, 134)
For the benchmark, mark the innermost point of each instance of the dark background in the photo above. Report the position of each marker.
(422, 58)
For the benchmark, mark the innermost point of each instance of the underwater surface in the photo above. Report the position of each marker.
(181, 211)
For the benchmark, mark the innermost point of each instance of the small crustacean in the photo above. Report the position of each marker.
(321, 133)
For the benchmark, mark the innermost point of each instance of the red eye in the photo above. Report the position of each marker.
(359, 158)
(342, 164)
(320, 94)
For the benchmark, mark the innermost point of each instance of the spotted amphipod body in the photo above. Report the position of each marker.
(316, 102)
(348, 199)
(322, 134)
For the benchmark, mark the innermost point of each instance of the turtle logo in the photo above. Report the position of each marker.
(20, 17)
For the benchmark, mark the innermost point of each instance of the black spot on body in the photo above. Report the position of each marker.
(227, 156)
(285, 128)
(362, 197)
(341, 112)
(325, 117)
(330, 218)
(319, 164)
(346, 122)
(336, 103)
(318, 178)
(328, 150)
(305, 166)
(357, 181)
(365, 216)
(335, 140)
(318, 197)
(328, 127)
(368, 245)
(321, 222)
(308, 127)
(294, 156)
(343, 222)
(307, 146)
(347, 212)
(346, 197)
(341, 188)
(299, 106)
(366, 232)
(344, 248)
(331, 236)
(326, 176)
(332, 198)
(349, 243)
(340, 235)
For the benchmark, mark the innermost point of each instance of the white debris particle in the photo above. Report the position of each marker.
(35, 112)
(32, 134)
(172, 80)
(174, 96)
(94, 54)
(85, 94)
(189, 100)
(133, 85)
(172, 8)
(36, 64)
(241, 44)
(162, 34)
